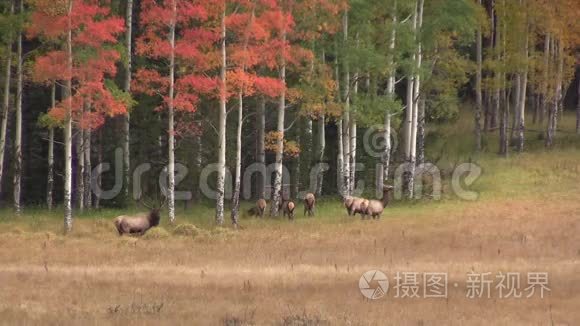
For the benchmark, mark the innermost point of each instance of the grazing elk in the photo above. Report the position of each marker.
(375, 208)
(288, 208)
(309, 202)
(347, 203)
(260, 208)
(140, 223)
(353, 205)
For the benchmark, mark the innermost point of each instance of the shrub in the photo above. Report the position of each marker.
(156, 233)
(187, 230)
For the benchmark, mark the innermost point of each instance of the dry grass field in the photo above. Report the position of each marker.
(306, 272)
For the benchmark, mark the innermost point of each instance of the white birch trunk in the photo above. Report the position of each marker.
(421, 132)
(386, 157)
(50, 174)
(88, 169)
(127, 88)
(478, 87)
(170, 118)
(411, 116)
(296, 182)
(99, 168)
(522, 101)
(18, 136)
(219, 215)
(352, 156)
(237, 183)
(5, 105)
(320, 152)
(80, 177)
(544, 103)
(198, 159)
(277, 195)
(261, 148)
(346, 116)
(68, 220)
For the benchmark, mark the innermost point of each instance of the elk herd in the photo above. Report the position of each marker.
(139, 224)
(365, 207)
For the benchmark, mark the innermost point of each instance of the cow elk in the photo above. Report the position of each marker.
(353, 205)
(288, 209)
(375, 208)
(309, 202)
(259, 209)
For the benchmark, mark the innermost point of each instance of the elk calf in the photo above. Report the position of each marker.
(309, 201)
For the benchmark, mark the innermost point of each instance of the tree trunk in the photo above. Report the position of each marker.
(297, 166)
(198, 159)
(517, 98)
(478, 90)
(414, 101)
(421, 132)
(88, 169)
(309, 149)
(346, 116)
(80, 177)
(386, 157)
(487, 109)
(99, 168)
(320, 156)
(557, 102)
(50, 177)
(170, 119)
(127, 88)
(504, 121)
(237, 184)
(5, 104)
(352, 156)
(578, 111)
(277, 195)
(339, 138)
(544, 103)
(219, 214)
(261, 155)
(18, 136)
(408, 122)
(68, 221)
(522, 101)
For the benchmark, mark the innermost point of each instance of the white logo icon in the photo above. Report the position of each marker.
(373, 284)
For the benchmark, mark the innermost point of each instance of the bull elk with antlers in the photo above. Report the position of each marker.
(139, 224)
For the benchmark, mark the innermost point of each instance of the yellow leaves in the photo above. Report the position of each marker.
(274, 139)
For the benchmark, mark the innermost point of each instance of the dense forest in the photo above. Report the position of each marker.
(193, 94)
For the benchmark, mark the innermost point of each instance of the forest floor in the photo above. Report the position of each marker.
(307, 272)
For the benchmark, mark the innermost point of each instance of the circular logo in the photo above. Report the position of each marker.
(373, 284)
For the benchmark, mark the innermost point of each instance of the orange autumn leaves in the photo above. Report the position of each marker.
(93, 32)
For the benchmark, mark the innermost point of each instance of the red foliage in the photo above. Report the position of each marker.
(192, 41)
(268, 86)
(93, 28)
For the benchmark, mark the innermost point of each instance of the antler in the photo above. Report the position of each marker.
(142, 201)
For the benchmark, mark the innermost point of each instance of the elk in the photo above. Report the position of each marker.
(375, 208)
(353, 205)
(347, 203)
(309, 201)
(140, 223)
(259, 209)
(288, 209)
